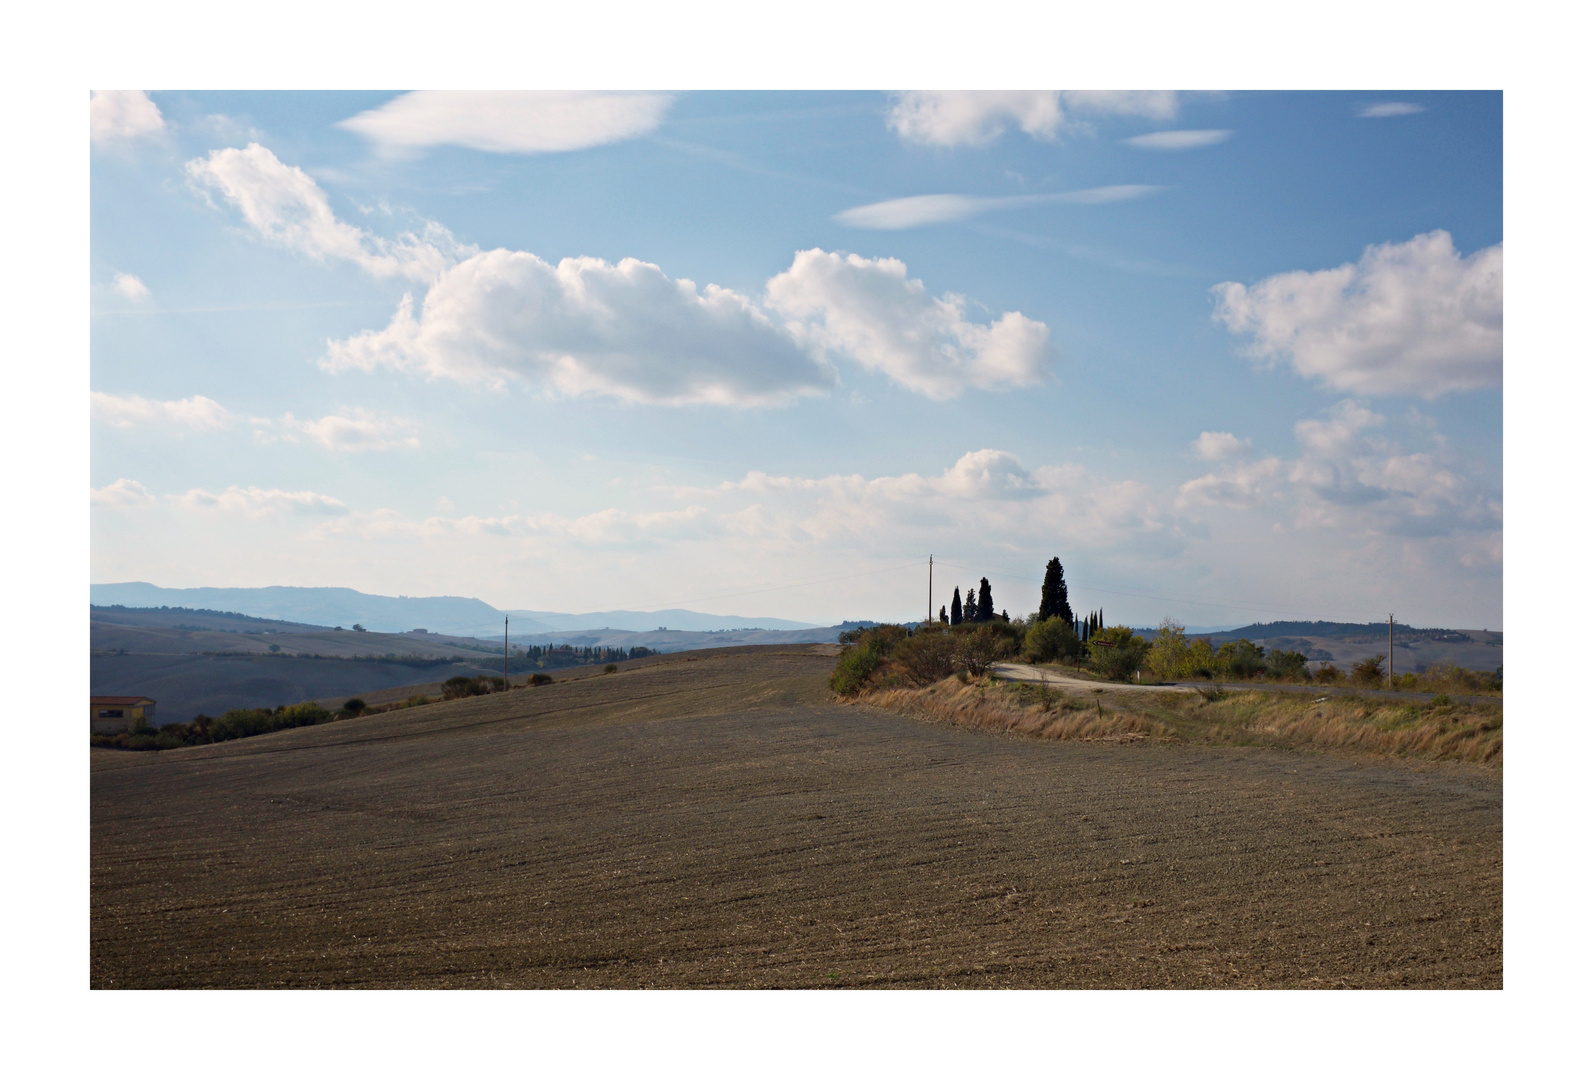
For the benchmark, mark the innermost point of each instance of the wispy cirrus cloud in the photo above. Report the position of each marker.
(917, 210)
(287, 208)
(121, 494)
(508, 121)
(1379, 110)
(1407, 318)
(352, 430)
(257, 502)
(1178, 140)
(196, 413)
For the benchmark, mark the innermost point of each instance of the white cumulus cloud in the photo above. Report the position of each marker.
(286, 207)
(1220, 446)
(354, 430)
(979, 117)
(870, 311)
(509, 121)
(1408, 318)
(255, 502)
(116, 115)
(1390, 108)
(973, 117)
(121, 493)
(1178, 140)
(197, 413)
(916, 210)
(130, 286)
(587, 326)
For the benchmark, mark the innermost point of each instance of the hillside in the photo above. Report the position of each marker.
(1345, 644)
(205, 661)
(455, 615)
(716, 819)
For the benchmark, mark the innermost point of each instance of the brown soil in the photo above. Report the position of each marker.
(716, 819)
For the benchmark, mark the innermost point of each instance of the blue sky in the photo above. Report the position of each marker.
(1230, 356)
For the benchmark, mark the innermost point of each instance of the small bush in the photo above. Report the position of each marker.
(1327, 673)
(1051, 639)
(976, 651)
(927, 657)
(610, 669)
(353, 706)
(1123, 657)
(1368, 672)
(864, 655)
(539, 679)
(1291, 666)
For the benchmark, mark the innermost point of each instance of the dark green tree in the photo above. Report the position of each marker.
(987, 606)
(956, 607)
(943, 618)
(1054, 594)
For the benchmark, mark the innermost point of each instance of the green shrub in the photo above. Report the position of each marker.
(1327, 673)
(610, 669)
(1242, 659)
(1121, 658)
(539, 679)
(353, 706)
(1051, 639)
(863, 657)
(1283, 664)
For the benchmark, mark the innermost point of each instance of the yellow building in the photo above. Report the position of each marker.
(119, 712)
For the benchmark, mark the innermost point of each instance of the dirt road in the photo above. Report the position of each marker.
(720, 821)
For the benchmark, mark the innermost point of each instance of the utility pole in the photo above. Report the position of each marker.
(931, 616)
(506, 652)
(1391, 650)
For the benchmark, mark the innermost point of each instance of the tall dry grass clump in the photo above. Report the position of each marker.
(1438, 731)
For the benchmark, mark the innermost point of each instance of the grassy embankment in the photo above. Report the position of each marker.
(943, 676)
(1439, 731)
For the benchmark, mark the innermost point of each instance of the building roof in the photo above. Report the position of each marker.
(120, 699)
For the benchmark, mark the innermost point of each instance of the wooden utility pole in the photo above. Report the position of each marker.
(1391, 650)
(931, 590)
(506, 652)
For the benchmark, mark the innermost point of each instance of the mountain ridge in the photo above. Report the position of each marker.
(466, 616)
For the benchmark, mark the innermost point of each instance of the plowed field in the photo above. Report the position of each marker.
(717, 820)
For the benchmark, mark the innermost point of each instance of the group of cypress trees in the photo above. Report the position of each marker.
(981, 607)
(1053, 604)
(1092, 624)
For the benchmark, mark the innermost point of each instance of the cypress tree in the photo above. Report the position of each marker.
(943, 619)
(987, 606)
(956, 607)
(1054, 594)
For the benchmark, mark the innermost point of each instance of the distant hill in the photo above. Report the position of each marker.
(464, 616)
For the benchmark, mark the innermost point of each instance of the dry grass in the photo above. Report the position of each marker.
(993, 706)
(1437, 732)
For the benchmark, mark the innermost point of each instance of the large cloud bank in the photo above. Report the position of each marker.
(627, 329)
(1409, 318)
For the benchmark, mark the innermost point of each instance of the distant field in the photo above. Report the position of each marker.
(716, 819)
(185, 685)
